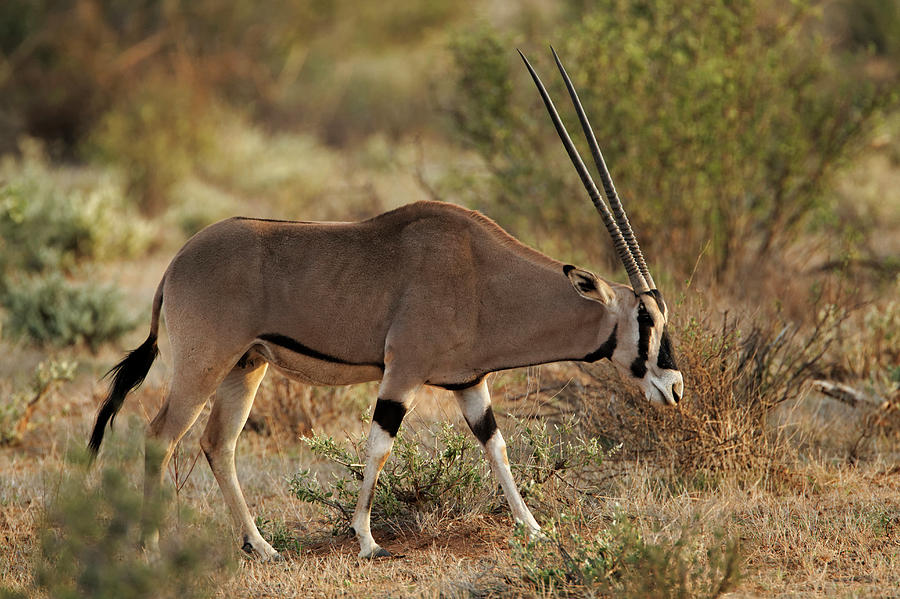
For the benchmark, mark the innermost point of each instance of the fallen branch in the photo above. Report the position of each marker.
(847, 394)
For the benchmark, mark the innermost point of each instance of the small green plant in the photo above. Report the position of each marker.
(449, 474)
(444, 477)
(15, 415)
(545, 456)
(620, 561)
(278, 535)
(88, 545)
(51, 310)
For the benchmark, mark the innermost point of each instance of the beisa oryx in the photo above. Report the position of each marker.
(428, 294)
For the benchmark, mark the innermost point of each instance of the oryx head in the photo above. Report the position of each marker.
(640, 346)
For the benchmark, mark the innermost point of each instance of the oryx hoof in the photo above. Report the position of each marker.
(375, 553)
(261, 550)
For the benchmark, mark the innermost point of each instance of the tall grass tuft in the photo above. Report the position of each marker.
(737, 375)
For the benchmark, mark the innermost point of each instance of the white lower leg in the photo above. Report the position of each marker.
(231, 407)
(495, 450)
(222, 465)
(378, 448)
(475, 403)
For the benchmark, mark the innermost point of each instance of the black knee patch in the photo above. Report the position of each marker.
(389, 414)
(485, 427)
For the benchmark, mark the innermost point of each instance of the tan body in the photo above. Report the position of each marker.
(429, 294)
(355, 291)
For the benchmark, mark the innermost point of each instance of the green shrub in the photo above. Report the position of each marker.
(88, 545)
(49, 309)
(445, 477)
(448, 474)
(53, 221)
(620, 561)
(15, 414)
(555, 462)
(156, 138)
(873, 25)
(278, 535)
(52, 218)
(721, 122)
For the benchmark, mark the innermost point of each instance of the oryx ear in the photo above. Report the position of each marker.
(588, 285)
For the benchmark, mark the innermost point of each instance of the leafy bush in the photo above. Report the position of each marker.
(52, 218)
(721, 122)
(278, 535)
(49, 309)
(873, 25)
(89, 546)
(449, 475)
(15, 414)
(619, 561)
(52, 221)
(445, 477)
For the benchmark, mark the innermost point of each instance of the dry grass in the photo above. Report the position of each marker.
(828, 528)
(808, 484)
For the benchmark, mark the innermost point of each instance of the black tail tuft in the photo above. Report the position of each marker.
(127, 375)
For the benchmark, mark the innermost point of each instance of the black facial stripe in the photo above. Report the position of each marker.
(606, 350)
(485, 427)
(297, 347)
(645, 326)
(666, 358)
(389, 414)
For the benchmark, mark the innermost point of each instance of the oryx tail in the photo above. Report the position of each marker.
(128, 375)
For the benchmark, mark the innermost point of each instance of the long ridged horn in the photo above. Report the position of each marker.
(608, 187)
(638, 283)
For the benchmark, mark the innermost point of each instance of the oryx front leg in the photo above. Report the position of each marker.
(475, 403)
(230, 410)
(386, 421)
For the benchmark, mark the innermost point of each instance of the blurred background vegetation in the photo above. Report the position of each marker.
(756, 145)
(749, 139)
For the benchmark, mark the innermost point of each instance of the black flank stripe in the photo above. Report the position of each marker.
(484, 428)
(606, 350)
(297, 347)
(459, 386)
(389, 414)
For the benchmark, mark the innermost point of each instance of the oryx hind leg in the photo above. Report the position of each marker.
(230, 410)
(475, 403)
(192, 384)
(393, 402)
